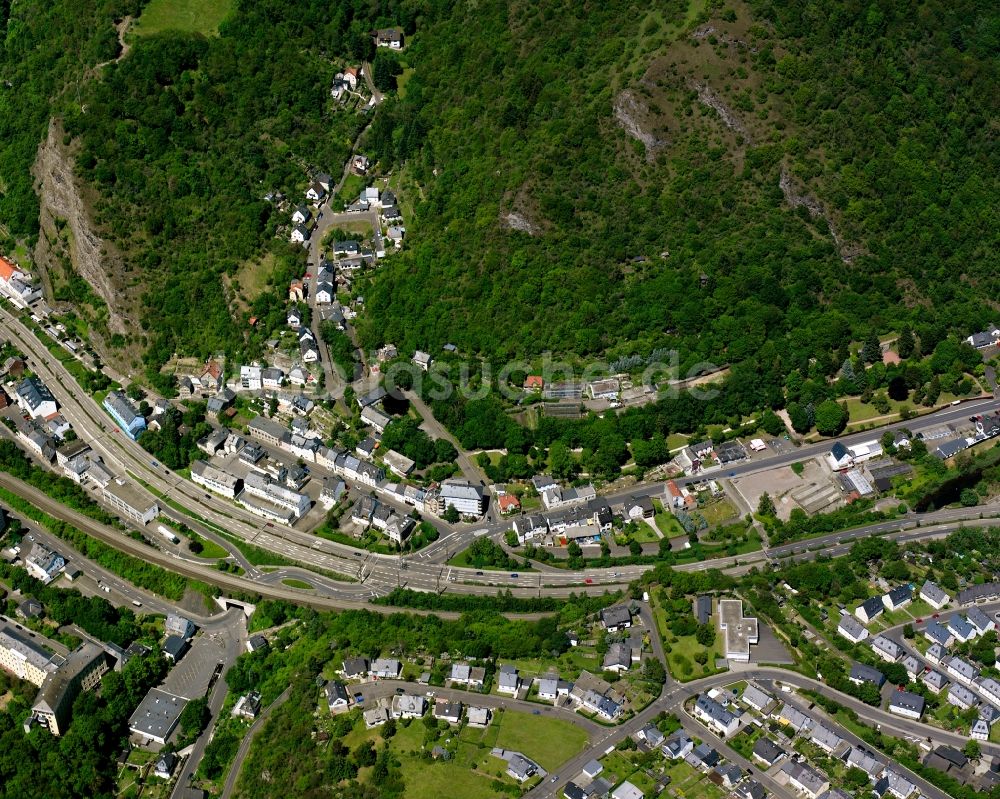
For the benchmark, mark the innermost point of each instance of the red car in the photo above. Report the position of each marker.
(919, 620)
(588, 581)
(937, 615)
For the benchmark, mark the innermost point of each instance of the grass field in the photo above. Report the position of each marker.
(548, 741)
(196, 16)
(722, 510)
(292, 582)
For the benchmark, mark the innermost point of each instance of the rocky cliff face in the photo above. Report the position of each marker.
(68, 243)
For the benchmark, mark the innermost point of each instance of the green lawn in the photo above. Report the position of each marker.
(722, 510)
(292, 582)
(548, 741)
(195, 16)
(209, 549)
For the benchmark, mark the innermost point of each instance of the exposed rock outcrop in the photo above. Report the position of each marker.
(62, 204)
(630, 112)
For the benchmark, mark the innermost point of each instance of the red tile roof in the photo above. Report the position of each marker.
(534, 381)
(508, 502)
(7, 268)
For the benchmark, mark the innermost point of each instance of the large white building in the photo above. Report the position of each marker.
(22, 654)
(263, 487)
(130, 502)
(461, 495)
(214, 479)
(738, 631)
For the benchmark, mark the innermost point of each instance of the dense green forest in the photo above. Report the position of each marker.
(539, 222)
(883, 113)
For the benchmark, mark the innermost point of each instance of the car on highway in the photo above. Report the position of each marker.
(514, 575)
(589, 581)
(479, 574)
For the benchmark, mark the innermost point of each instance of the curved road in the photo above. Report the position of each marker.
(244, 750)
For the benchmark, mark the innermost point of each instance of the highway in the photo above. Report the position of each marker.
(380, 574)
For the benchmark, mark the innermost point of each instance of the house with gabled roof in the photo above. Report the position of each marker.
(870, 609)
(934, 595)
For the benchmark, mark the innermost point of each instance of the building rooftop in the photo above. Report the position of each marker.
(157, 714)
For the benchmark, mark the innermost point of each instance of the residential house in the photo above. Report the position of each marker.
(805, 779)
(337, 698)
(751, 789)
(422, 360)
(715, 716)
(35, 398)
(791, 716)
(406, 706)
(870, 609)
(861, 758)
(508, 681)
(894, 784)
(627, 791)
(979, 620)
(520, 768)
(886, 648)
(899, 597)
(961, 670)
(508, 503)
(936, 654)
(908, 704)
(300, 216)
(618, 617)
(479, 717)
(125, 414)
(703, 757)
(375, 717)
(174, 648)
(914, 667)
(617, 658)
(651, 735)
(860, 674)
(826, 739)
(759, 700)
(325, 292)
(933, 595)
(839, 457)
(703, 608)
(389, 37)
(851, 629)
(677, 746)
(961, 697)
(767, 751)
(448, 711)
(934, 680)
(300, 234)
(990, 689)
(937, 633)
(980, 731)
(386, 668)
(986, 338)
(961, 629)
(355, 668)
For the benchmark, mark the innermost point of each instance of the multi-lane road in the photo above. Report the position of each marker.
(378, 574)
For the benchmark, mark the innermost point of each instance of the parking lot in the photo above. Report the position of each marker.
(190, 677)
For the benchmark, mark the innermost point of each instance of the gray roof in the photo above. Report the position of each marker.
(905, 700)
(960, 627)
(714, 710)
(616, 616)
(859, 671)
(933, 592)
(767, 750)
(937, 632)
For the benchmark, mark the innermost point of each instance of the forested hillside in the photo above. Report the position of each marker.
(747, 183)
(885, 115)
